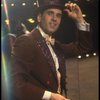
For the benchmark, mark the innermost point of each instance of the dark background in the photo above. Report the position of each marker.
(66, 32)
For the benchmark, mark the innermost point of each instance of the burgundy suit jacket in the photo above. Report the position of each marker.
(33, 70)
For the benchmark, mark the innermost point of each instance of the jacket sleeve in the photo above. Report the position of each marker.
(24, 86)
(82, 44)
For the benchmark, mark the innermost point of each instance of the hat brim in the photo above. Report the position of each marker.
(42, 8)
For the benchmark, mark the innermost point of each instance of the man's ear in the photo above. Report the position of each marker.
(39, 18)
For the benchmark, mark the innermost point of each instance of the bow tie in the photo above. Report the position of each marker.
(49, 40)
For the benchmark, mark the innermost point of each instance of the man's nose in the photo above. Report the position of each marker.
(54, 18)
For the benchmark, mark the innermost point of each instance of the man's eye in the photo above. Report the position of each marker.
(50, 13)
(59, 15)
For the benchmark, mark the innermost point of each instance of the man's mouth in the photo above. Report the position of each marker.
(53, 25)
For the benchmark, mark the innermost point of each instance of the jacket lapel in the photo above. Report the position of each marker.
(41, 44)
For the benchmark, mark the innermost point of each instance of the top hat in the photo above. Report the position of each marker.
(46, 4)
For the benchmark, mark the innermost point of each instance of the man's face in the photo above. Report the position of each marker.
(50, 20)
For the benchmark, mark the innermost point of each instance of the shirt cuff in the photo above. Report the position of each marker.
(83, 26)
(47, 95)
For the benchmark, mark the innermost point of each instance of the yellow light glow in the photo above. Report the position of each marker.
(31, 20)
(7, 21)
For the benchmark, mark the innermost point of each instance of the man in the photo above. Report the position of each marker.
(38, 63)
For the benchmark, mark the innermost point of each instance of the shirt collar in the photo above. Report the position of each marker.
(44, 35)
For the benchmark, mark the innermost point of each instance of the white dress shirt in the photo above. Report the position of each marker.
(47, 94)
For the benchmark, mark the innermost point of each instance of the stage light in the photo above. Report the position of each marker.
(94, 54)
(87, 55)
(79, 56)
(23, 4)
(12, 4)
(35, 4)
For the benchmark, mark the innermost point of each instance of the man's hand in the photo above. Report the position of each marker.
(55, 96)
(74, 12)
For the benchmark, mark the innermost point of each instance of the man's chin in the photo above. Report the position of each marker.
(52, 31)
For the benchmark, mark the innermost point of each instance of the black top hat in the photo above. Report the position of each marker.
(46, 4)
